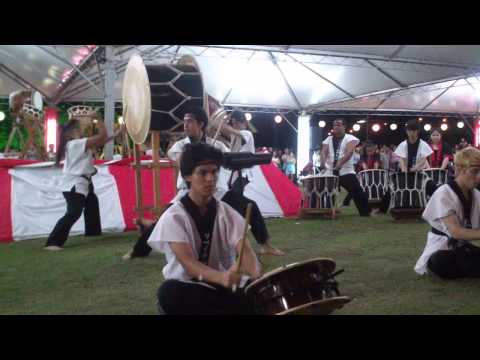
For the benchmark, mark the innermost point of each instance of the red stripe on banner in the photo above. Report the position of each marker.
(287, 193)
(5, 207)
(125, 178)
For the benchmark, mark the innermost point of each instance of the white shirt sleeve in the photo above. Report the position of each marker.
(77, 146)
(424, 150)
(327, 141)
(175, 151)
(401, 150)
(443, 203)
(171, 227)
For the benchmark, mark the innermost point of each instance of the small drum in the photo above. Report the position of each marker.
(375, 183)
(319, 192)
(31, 115)
(438, 176)
(307, 287)
(407, 192)
(18, 99)
(85, 115)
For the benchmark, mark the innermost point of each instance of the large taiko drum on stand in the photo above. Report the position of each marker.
(307, 287)
(408, 194)
(375, 184)
(156, 97)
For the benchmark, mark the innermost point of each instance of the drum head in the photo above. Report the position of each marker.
(326, 263)
(136, 99)
(319, 307)
(37, 100)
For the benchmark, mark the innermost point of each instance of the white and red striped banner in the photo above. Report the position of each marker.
(31, 204)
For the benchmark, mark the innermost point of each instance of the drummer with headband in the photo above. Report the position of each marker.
(453, 213)
(200, 237)
(77, 185)
(337, 153)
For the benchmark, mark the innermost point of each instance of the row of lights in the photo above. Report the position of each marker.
(393, 126)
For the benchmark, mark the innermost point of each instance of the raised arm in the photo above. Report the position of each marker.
(99, 139)
(349, 150)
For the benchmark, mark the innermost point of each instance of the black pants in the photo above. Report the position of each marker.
(76, 203)
(462, 262)
(350, 183)
(232, 198)
(178, 297)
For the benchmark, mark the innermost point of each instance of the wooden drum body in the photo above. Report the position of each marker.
(320, 193)
(408, 195)
(307, 287)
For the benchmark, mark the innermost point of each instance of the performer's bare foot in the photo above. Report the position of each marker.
(128, 255)
(268, 249)
(53, 248)
(375, 212)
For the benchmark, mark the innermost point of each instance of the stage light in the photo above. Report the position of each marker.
(356, 127)
(2, 116)
(278, 119)
(427, 127)
(361, 121)
(393, 127)
(248, 116)
(322, 123)
(385, 124)
(120, 120)
(444, 127)
(460, 124)
(95, 121)
(420, 119)
(351, 131)
(444, 120)
(376, 127)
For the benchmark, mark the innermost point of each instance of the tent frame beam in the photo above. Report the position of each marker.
(66, 62)
(22, 82)
(439, 95)
(289, 88)
(322, 77)
(396, 81)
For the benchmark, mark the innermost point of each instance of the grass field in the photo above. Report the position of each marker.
(378, 255)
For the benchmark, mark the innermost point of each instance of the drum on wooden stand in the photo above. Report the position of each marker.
(307, 287)
(320, 193)
(408, 194)
(438, 176)
(375, 184)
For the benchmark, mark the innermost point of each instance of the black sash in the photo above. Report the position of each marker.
(412, 150)
(467, 211)
(203, 223)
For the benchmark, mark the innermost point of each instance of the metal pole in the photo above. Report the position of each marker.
(109, 112)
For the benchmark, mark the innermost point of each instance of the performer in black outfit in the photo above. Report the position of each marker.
(77, 185)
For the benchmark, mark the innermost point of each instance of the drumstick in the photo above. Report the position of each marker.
(242, 246)
(218, 129)
(245, 230)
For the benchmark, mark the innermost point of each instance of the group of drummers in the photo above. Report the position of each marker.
(210, 265)
(422, 167)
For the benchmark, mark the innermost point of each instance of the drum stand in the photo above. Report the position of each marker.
(15, 130)
(157, 208)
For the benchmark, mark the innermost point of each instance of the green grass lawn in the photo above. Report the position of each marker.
(378, 255)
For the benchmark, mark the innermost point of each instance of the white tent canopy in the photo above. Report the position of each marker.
(436, 78)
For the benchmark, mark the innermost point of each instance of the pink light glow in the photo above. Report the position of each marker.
(51, 129)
